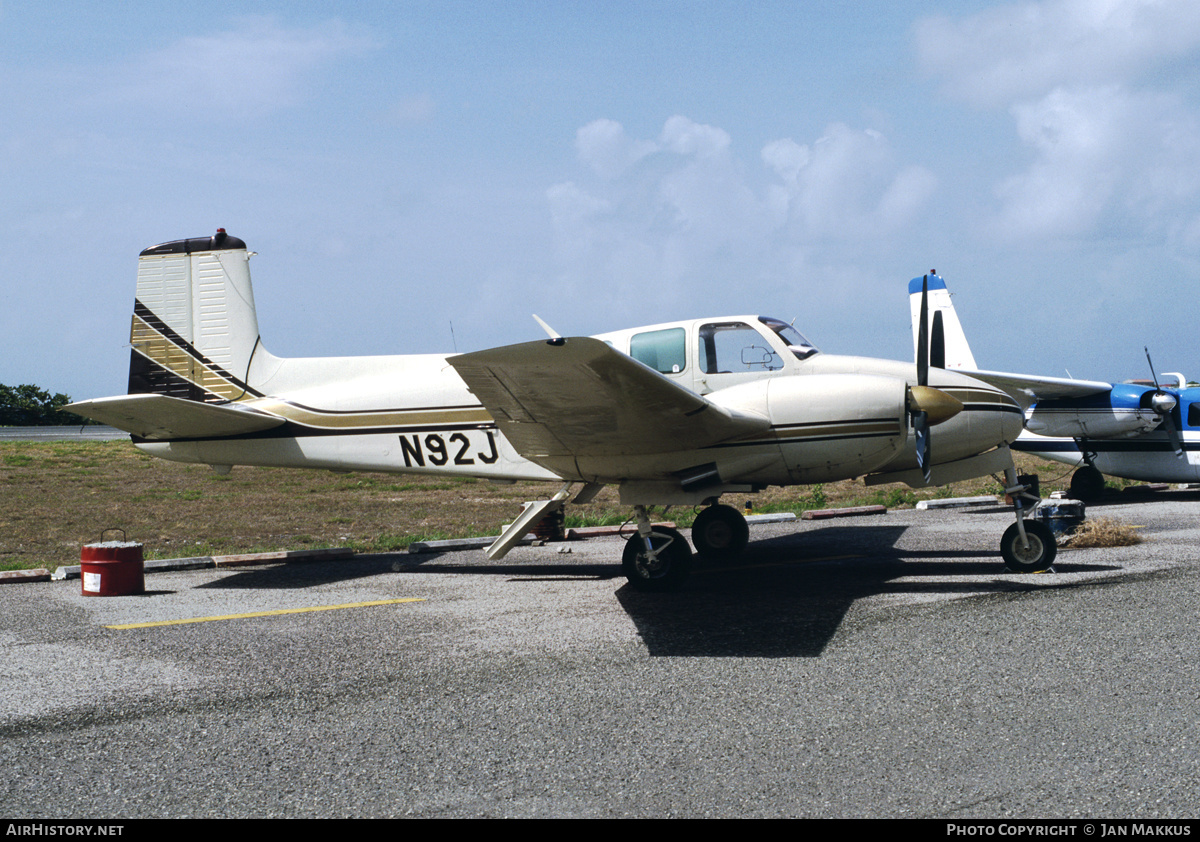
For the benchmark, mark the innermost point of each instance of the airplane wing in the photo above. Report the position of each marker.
(153, 416)
(581, 397)
(1027, 389)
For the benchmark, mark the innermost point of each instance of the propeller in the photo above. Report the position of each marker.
(920, 417)
(927, 406)
(1164, 403)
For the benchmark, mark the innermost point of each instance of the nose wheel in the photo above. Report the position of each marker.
(1032, 555)
(1027, 546)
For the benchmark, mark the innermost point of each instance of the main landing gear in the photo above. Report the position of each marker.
(1027, 546)
(720, 532)
(658, 558)
(1087, 484)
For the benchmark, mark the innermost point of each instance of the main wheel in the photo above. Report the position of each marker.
(1040, 554)
(668, 572)
(1087, 484)
(720, 532)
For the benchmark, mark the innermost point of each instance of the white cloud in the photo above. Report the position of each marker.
(847, 185)
(604, 146)
(1104, 157)
(1023, 50)
(909, 193)
(787, 158)
(1111, 141)
(258, 65)
(574, 213)
(683, 137)
(669, 218)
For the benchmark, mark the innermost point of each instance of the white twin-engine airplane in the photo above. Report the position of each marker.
(672, 414)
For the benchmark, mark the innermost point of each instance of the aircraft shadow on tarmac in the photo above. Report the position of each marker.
(789, 595)
(785, 597)
(1143, 494)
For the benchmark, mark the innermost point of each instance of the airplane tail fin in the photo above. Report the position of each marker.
(194, 325)
(948, 346)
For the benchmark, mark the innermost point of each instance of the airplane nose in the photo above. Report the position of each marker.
(937, 404)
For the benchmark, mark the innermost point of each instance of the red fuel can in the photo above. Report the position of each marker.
(112, 568)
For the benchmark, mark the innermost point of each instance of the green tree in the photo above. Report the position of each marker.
(30, 406)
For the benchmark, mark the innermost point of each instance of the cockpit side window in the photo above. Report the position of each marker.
(665, 351)
(797, 344)
(730, 347)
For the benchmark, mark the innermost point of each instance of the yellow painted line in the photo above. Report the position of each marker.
(264, 613)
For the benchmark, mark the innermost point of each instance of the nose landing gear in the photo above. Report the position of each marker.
(1027, 546)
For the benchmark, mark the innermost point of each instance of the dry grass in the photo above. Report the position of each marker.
(1102, 532)
(58, 496)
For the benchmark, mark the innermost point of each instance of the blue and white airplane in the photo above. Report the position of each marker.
(1149, 433)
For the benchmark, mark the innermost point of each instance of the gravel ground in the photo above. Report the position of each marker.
(870, 667)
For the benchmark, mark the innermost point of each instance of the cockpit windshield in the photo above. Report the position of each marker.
(797, 344)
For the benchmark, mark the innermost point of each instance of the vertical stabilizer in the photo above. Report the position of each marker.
(948, 346)
(194, 326)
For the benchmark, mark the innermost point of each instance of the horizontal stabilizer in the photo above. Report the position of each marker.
(581, 397)
(153, 416)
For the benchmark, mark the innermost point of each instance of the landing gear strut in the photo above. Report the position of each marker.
(1027, 546)
(720, 532)
(656, 558)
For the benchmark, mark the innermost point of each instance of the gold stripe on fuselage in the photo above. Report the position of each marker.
(839, 429)
(439, 416)
(789, 433)
(164, 352)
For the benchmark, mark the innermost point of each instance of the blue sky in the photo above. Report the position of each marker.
(403, 166)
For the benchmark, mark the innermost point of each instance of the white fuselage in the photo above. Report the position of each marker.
(1147, 458)
(830, 417)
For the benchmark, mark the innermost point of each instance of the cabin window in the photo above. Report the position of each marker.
(1194, 415)
(665, 351)
(735, 347)
(797, 344)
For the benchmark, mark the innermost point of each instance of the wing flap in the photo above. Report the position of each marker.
(581, 397)
(154, 416)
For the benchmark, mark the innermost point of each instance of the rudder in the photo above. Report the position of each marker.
(194, 326)
(947, 341)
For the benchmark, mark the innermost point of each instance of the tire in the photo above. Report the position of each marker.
(1087, 484)
(720, 532)
(1040, 554)
(671, 570)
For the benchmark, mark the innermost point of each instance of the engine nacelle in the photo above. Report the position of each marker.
(827, 427)
(1123, 412)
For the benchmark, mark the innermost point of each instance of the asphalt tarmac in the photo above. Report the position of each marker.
(880, 666)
